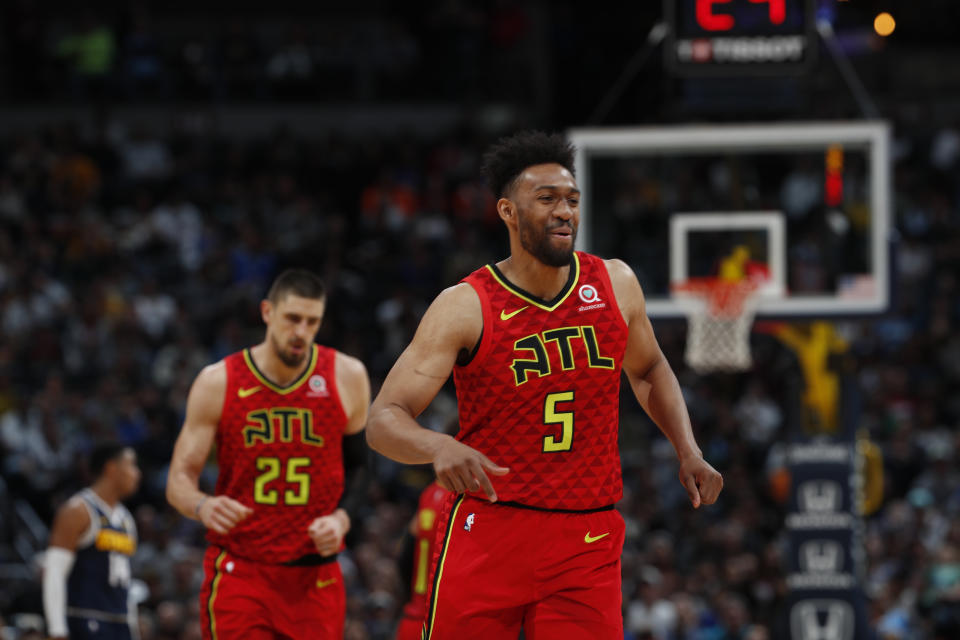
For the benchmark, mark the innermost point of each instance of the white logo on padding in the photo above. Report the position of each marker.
(821, 620)
(821, 556)
(469, 523)
(819, 496)
(588, 293)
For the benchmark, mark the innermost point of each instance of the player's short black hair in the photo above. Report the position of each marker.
(104, 453)
(299, 282)
(510, 156)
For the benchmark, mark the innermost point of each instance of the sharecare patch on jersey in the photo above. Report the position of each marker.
(588, 293)
(318, 386)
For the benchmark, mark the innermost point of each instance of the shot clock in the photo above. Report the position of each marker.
(739, 37)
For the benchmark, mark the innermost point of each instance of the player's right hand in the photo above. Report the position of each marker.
(461, 468)
(222, 513)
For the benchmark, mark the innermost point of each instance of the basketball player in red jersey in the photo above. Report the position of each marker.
(536, 344)
(423, 530)
(286, 417)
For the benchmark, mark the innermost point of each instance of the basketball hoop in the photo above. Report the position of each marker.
(720, 313)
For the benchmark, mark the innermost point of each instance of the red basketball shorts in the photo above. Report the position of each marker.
(409, 628)
(500, 568)
(254, 601)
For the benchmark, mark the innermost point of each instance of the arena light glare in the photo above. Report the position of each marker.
(884, 24)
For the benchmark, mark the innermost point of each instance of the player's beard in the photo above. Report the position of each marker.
(537, 243)
(287, 358)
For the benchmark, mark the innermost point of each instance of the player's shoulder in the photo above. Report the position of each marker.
(75, 504)
(454, 309)
(350, 367)
(213, 374)
(74, 514)
(626, 287)
(619, 270)
(211, 382)
(622, 277)
(460, 307)
(460, 296)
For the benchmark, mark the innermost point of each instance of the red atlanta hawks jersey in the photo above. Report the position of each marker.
(541, 394)
(432, 504)
(279, 452)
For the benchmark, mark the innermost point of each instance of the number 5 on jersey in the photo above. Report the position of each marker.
(552, 444)
(270, 468)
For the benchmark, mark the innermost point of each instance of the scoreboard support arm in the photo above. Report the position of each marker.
(867, 106)
(656, 35)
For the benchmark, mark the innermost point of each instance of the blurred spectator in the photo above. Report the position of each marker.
(89, 54)
(144, 72)
(291, 68)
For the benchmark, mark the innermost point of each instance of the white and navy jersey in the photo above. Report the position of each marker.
(99, 583)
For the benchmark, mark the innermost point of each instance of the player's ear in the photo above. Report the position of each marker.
(265, 308)
(506, 210)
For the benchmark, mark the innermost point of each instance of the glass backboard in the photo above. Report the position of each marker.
(809, 200)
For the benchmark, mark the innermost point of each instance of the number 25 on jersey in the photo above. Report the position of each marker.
(295, 475)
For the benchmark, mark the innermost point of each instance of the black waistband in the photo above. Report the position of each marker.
(311, 560)
(520, 505)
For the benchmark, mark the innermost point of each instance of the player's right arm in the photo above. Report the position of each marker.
(204, 405)
(69, 525)
(452, 325)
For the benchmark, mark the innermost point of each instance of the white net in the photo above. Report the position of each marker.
(719, 319)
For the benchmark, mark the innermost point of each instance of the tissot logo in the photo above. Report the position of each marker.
(821, 556)
(821, 619)
(819, 496)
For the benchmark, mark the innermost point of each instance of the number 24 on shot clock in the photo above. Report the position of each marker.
(739, 37)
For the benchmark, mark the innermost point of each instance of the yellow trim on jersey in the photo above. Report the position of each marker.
(513, 289)
(213, 593)
(443, 556)
(293, 386)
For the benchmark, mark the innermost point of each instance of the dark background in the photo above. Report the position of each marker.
(161, 161)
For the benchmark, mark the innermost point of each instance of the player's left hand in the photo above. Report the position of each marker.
(702, 482)
(327, 532)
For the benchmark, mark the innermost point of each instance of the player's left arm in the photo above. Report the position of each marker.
(353, 386)
(69, 525)
(657, 390)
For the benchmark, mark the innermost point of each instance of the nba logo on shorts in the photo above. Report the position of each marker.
(318, 386)
(588, 293)
(469, 523)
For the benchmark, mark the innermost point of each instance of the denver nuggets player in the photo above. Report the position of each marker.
(86, 575)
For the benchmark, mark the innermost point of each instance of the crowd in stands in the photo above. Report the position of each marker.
(131, 258)
(137, 53)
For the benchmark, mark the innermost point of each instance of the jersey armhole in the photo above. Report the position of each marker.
(605, 278)
(482, 346)
(227, 366)
(334, 387)
(90, 534)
